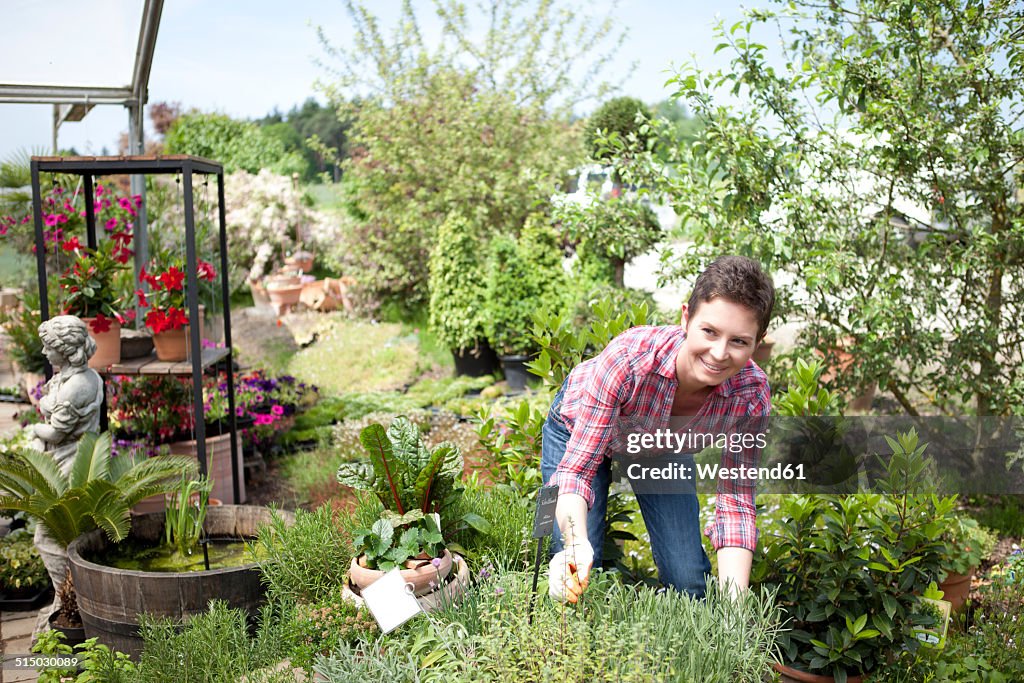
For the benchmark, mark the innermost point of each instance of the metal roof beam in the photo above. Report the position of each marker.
(63, 94)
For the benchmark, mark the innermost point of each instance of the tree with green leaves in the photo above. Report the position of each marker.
(478, 123)
(622, 116)
(878, 165)
(238, 145)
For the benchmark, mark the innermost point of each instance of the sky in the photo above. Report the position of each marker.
(246, 58)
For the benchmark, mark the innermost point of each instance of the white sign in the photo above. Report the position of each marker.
(391, 601)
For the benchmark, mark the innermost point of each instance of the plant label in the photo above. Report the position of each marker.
(389, 601)
(544, 518)
(936, 635)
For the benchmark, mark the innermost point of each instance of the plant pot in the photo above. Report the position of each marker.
(791, 675)
(859, 402)
(283, 296)
(763, 352)
(420, 573)
(135, 343)
(73, 635)
(456, 584)
(218, 458)
(112, 599)
(516, 373)
(260, 298)
(303, 260)
(19, 600)
(108, 345)
(479, 361)
(956, 588)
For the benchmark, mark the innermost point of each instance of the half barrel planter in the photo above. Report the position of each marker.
(111, 600)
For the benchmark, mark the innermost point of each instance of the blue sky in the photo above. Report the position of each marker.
(246, 58)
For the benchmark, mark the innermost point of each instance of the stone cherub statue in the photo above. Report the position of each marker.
(72, 398)
(71, 407)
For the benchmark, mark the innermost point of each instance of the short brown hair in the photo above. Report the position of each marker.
(740, 280)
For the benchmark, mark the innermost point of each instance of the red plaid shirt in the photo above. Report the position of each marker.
(635, 378)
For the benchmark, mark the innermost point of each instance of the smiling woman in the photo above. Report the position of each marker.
(645, 376)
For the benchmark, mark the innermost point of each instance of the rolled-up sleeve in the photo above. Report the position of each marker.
(735, 523)
(594, 426)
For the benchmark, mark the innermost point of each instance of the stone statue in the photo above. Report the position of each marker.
(71, 407)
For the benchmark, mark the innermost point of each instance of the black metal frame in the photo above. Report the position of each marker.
(91, 167)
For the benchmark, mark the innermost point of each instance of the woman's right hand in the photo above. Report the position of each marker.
(569, 571)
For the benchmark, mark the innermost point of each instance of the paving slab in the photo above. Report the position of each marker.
(18, 628)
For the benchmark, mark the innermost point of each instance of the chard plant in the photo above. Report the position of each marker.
(409, 479)
(392, 541)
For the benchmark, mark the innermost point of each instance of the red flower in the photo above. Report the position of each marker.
(156, 321)
(142, 298)
(100, 324)
(176, 318)
(71, 245)
(151, 280)
(122, 237)
(122, 255)
(172, 279)
(206, 271)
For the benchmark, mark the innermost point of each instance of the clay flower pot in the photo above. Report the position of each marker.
(283, 295)
(791, 675)
(956, 588)
(108, 344)
(420, 573)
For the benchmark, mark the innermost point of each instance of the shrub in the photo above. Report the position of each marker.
(619, 116)
(457, 285)
(21, 569)
(213, 646)
(525, 278)
(305, 562)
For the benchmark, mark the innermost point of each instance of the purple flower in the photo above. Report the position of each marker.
(436, 561)
(499, 591)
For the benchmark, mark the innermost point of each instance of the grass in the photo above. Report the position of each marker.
(358, 356)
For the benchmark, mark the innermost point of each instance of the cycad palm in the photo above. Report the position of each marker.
(98, 491)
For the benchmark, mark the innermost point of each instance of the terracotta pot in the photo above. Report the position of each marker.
(764, 350)
(844, 361)
(218, 454)
(456, 584)
(259, 294)
(284, 293)
(420, 573)
(303, 260)
(791, 675)
(956, 588)
(108, 345)
(174, 345)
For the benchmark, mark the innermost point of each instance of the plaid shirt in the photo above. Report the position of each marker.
(634, 378)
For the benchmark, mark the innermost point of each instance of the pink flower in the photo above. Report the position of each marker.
(110, 224)
(125, 203)
(99, 190)
(277, 409)
(50, 220)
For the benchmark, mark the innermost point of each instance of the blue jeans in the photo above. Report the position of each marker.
(672, 520)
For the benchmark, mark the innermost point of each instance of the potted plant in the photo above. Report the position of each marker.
(847, 571)
(967, 543)
(457, 296)
(167, 316)
(23, 577)
(525, 278)
(91, 288)
(96, 493)
(417, 486)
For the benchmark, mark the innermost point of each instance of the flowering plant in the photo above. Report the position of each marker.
(166, 299)
(90, 286)
(160, 407)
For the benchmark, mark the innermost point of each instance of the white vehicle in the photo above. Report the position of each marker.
(593, 180)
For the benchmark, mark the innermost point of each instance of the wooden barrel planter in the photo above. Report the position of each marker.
(111, 600)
